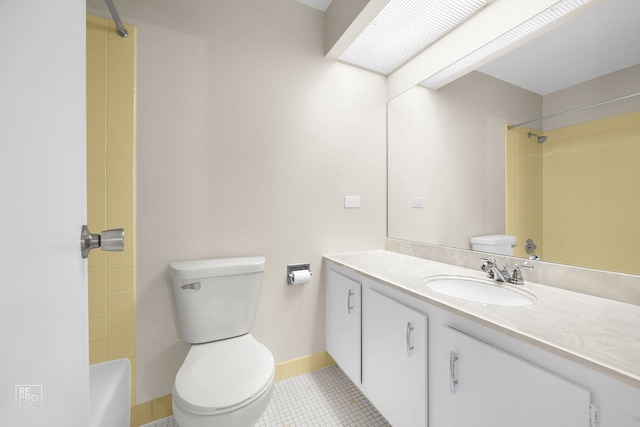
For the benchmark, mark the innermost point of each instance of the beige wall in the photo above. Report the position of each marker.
(447, 146)
(611, 86)
(247, 142)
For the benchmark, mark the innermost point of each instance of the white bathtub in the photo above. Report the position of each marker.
(110, 388)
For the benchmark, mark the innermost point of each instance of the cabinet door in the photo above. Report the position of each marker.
(481, 386)
(394, 359)
(344, 308)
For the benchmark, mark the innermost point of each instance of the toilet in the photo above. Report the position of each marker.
(227, 377)
(500, 244)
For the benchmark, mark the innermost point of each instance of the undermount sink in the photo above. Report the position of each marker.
(478, 290)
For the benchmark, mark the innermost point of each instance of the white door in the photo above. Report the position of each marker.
(479, 385)
(343, 314)
(394, 359)
(44, 372)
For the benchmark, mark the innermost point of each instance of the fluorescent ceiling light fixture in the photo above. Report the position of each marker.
(510, 38)
(405, 28)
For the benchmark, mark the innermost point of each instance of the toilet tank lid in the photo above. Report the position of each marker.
(216, 267)
(493, 239)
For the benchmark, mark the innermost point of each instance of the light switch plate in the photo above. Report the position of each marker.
(417, 202)
(351, 201)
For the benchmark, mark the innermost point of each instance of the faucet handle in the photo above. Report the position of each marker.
(516, 277)
(488, 263)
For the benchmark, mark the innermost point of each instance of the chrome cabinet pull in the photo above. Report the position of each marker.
(409, 346)
(349, 306)
(453, 357)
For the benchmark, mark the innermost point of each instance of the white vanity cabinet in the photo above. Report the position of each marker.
(476, 384)
(394, 359)
(343, 322)
(456, 369)
(380, 344)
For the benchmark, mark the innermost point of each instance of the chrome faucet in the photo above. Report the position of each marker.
(490, 266)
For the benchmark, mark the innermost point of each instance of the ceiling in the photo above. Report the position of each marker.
(317, 4)
(601, 40)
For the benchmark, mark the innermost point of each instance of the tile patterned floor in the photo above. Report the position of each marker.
(321, 398)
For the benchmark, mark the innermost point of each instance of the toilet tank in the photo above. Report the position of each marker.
(216, 298)
(495, 243)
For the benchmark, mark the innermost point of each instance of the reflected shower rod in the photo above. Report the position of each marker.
(551, 116)
(122, 31)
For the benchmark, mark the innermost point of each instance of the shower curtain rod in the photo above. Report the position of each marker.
(550, 116)
(122, 31)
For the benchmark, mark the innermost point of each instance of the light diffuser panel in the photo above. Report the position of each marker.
(405, 28)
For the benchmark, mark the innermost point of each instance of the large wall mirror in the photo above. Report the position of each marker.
(566, 176)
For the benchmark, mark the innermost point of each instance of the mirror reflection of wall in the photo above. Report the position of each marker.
(447, 147)
(575, 195)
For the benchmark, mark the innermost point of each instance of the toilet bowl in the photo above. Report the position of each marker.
(227, 376)
(224, 383)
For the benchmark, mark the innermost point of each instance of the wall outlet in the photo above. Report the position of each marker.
(351, 201)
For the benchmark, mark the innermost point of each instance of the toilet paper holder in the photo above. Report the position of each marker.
(296, 267)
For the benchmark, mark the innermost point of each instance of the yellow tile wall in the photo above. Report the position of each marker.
(110, 189)
(589, 178)
(524, 189)
(591, 185)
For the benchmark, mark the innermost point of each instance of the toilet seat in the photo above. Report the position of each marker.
(223, 376)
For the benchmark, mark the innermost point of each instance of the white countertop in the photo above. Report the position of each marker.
(599, 333)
